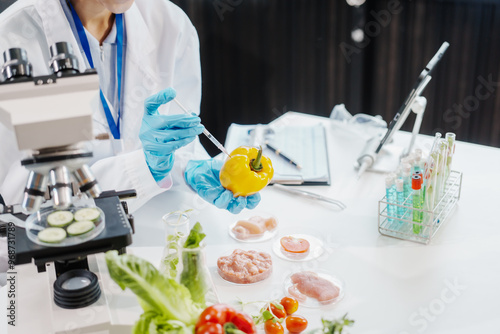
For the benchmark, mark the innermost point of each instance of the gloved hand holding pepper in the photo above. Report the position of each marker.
(162, 135)
(203, 177)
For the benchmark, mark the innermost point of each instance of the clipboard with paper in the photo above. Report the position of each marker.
(306, 145)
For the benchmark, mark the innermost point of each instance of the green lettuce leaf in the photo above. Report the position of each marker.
(157, 294)
(153, 323)
(193, 273)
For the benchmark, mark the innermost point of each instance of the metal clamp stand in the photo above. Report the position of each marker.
(418, 107)
(368, 156)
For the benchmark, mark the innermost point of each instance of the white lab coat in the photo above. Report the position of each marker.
(162, 51)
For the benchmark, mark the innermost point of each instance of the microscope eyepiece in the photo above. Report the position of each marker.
(34, 192)
(62, 191)
(63, 58)
(16, 64)
(87, 182)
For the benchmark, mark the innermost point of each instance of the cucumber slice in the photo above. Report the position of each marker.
(80, 227)
(60, 218)
(52, 235)
(91, 214)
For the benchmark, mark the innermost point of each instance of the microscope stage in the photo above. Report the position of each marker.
(116, 235)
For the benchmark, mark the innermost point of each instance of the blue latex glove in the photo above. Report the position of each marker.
(203, 177)
(161, 135)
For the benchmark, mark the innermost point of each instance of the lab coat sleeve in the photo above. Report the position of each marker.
(13, 176)
(129, 171)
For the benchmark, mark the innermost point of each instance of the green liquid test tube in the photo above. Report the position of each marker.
(416, 185)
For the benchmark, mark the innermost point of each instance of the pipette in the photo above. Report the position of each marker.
(205, 132)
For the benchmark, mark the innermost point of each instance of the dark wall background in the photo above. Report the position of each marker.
(261, 58)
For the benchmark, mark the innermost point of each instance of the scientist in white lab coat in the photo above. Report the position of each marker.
(157, 47)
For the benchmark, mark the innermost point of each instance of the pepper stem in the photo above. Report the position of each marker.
(256, 164)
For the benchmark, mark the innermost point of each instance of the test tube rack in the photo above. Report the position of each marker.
(401, 225)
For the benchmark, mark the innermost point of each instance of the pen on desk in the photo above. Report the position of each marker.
(279, 153)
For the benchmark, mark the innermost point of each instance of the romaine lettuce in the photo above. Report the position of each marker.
(168, 306)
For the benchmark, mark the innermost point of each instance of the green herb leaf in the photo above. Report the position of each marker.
(336, 326)
(267, 315)
(277, 305)
(195, 237)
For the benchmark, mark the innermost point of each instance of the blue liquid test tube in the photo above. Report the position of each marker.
(400, 199)
(390, 194)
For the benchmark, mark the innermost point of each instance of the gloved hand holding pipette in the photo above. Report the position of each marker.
(162, 135)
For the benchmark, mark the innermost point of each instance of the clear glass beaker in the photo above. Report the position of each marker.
(194, 275)
(176, 224)
(176, 231)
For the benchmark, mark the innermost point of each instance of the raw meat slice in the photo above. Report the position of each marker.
(313, 286)
(254, 227)
(244, 267)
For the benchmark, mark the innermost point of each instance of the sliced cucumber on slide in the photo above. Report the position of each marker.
(60, 218)
(52, 235)
(91, 214)
(80, 227)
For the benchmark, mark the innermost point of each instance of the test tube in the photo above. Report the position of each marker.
(400, 198)
(450, 137)
(418, 160)
(390, 197)
(443, 156)
(416, 185)
(407, 184)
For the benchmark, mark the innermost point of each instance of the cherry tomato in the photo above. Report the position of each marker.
(271, 327)
(290, 304)
(216, 313)
(210, 328)
(296, 324)
(280, 313)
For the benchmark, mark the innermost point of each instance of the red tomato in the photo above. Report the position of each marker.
(294, 245)
(210, 328)
(271, 327)
(215, 313)
(296, 324)
(280, 313)
(290, 304)
(221, 314)
(243, 322)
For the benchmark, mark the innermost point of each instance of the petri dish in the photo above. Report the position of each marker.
(240, 233)
(328, 288)
(233, 268)
(37, 222)
(316, 249)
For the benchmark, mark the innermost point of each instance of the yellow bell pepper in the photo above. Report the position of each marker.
(246, 172)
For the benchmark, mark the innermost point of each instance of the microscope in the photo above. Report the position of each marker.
(51, 119)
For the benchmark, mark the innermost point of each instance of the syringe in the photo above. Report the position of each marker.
(205, 132)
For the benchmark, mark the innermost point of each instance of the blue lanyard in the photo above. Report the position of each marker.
(113, 127)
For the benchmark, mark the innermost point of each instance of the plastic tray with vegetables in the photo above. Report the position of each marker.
(62, 228)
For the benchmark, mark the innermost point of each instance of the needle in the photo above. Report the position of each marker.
(205, 132)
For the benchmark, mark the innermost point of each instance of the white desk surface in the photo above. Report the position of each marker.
(391, 286)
